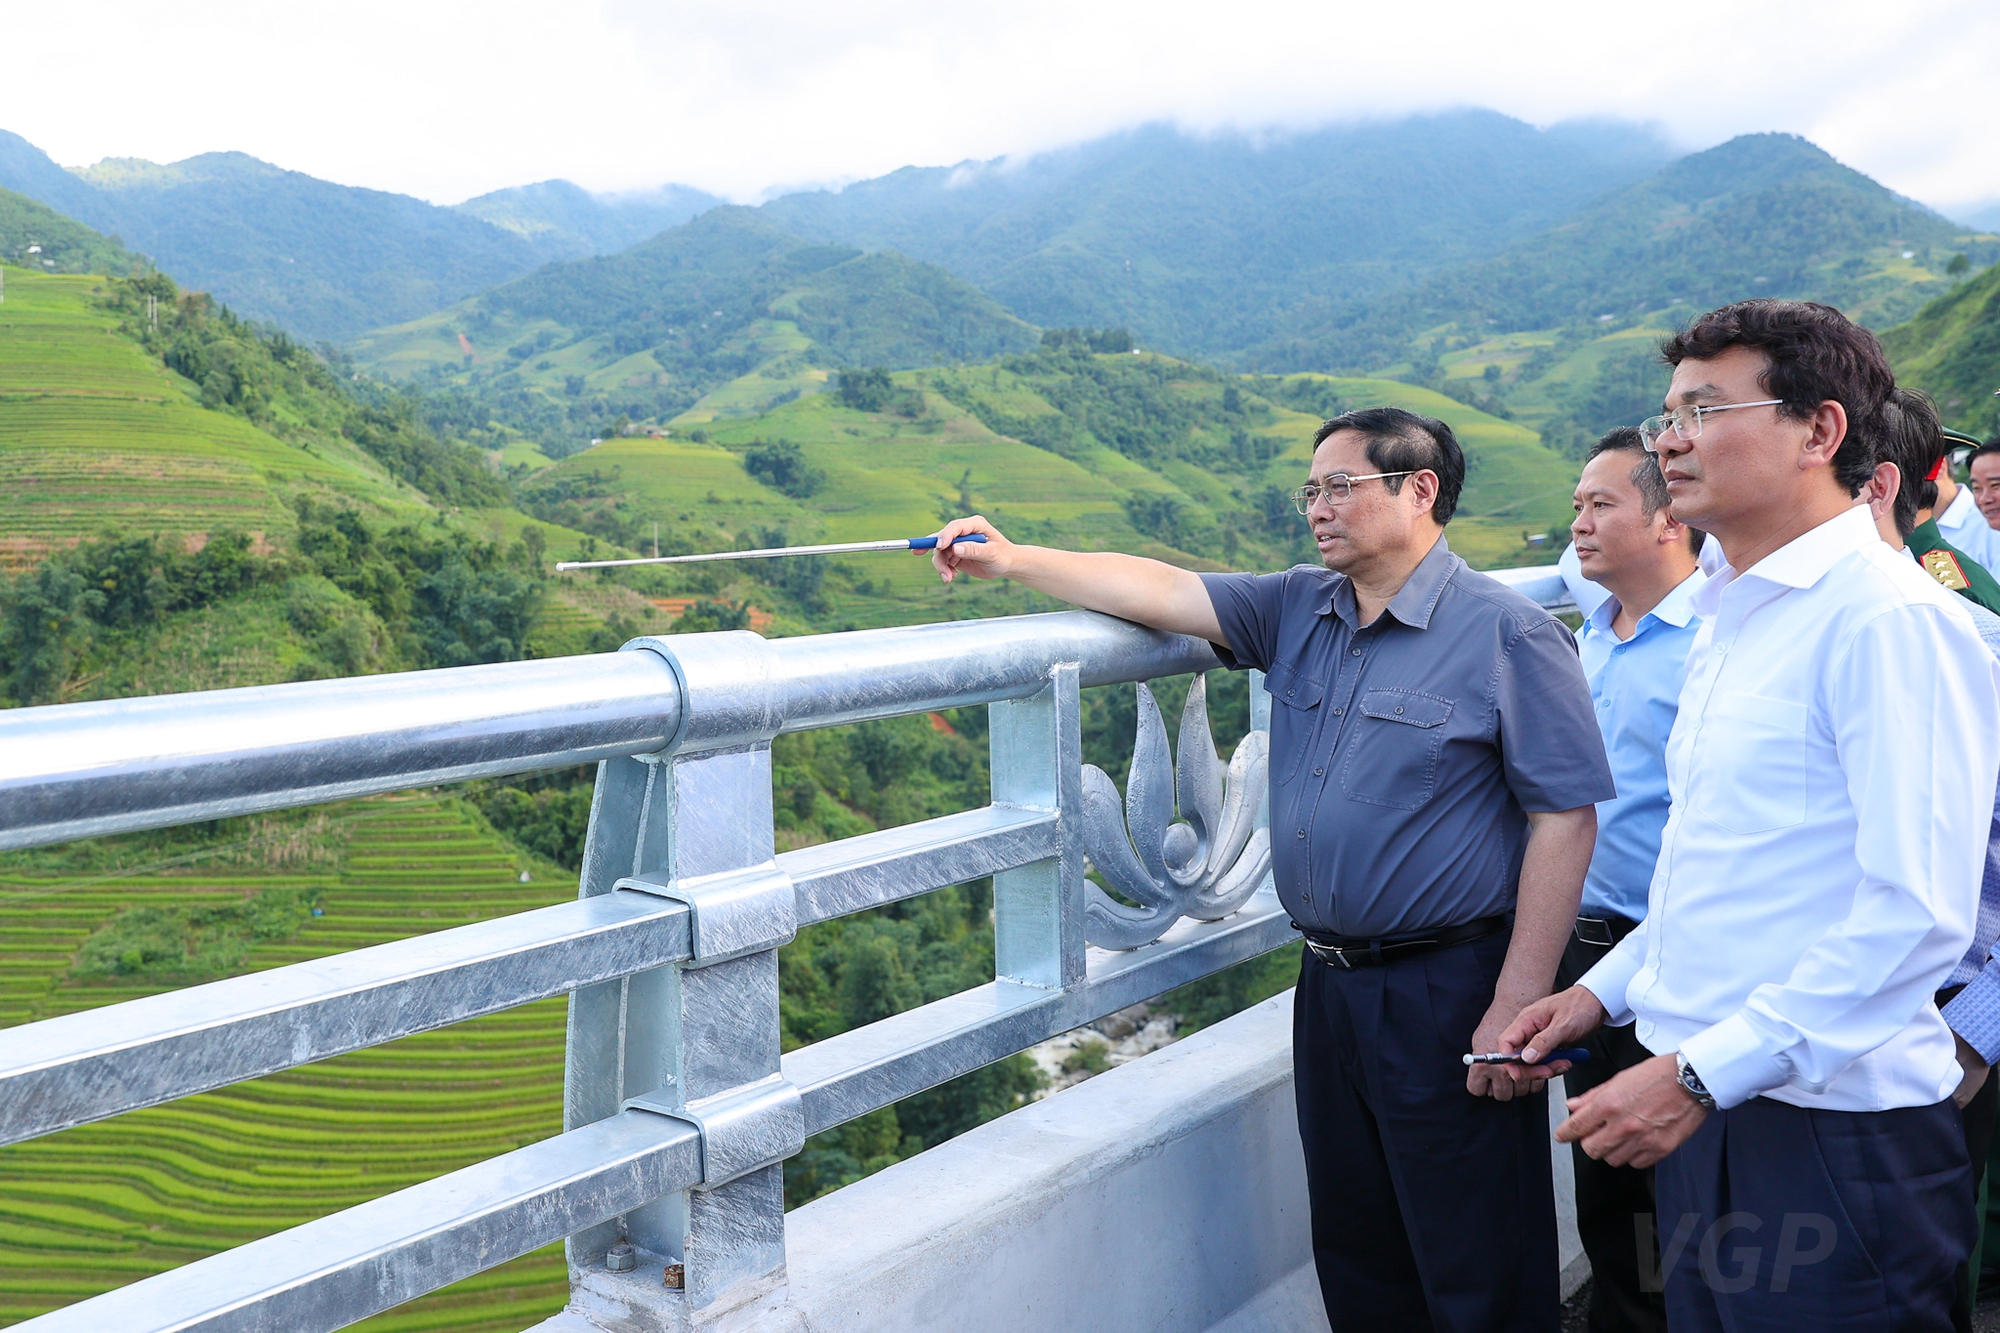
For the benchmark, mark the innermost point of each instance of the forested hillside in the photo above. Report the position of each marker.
(59, 244)
(1762, 215)
(325, 261)
(1198, 242)
(1952, 350)
(726, 313)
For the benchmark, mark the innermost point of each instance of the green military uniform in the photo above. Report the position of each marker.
(1952, 567)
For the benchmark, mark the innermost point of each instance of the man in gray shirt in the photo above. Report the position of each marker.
(1435, 764)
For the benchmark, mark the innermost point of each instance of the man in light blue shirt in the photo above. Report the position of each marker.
(1634, 647)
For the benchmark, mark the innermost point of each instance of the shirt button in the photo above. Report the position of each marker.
(1336, 712)
(1721, 648)
(1302, 833)
(1399, 710)
(1318, 771)
(1357, 652)
(1288, 694)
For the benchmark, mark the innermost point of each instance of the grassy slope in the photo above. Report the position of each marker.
(891, 476)
(105, 1204)
(96, 436)
(1952, 350)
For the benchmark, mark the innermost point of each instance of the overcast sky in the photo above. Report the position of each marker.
(446, 99)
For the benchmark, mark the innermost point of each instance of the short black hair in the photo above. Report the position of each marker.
(1986, 450)
(1399, 441)
(1911, 437)
(1645, 474)
(1815, 353)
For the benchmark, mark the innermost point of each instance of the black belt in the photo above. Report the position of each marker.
(1604, 931)
(1349, 952)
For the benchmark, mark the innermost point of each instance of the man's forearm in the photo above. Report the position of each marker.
(1552, 871)
(1131, 587)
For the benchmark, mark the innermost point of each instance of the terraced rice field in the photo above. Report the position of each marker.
(105, 1204)
(95, 435)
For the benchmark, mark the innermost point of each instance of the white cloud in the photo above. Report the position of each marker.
(449, 99)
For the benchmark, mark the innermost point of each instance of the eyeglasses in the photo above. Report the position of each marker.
(1338, 488)
(1686, 421)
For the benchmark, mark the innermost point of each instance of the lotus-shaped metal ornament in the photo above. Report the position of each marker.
(1204, 865)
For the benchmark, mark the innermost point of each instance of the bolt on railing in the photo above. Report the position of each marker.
(679, 1108)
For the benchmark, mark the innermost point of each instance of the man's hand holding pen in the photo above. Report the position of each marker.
(1633, 1120)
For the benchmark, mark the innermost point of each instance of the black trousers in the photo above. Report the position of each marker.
(1978, 1117)
(1775, 1218)
(1614, 1204)
(1431, 1208)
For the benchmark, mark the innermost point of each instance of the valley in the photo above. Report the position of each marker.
(221, 466)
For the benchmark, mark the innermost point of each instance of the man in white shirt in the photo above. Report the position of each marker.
(1831, 771)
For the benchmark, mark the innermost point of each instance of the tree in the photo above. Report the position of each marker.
(49, 627)
(782, 466)
(866, 390)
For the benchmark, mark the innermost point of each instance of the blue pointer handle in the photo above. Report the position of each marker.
(930, 543)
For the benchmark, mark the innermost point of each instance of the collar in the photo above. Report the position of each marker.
(1676, 608)
(1414, 601)
(1800, 562)
(1955, 513)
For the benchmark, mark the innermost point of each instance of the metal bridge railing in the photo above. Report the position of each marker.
(678, 1108)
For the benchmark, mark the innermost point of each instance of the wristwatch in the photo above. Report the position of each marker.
(1684, 1072)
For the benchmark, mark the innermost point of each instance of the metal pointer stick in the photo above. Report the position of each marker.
(837, 548)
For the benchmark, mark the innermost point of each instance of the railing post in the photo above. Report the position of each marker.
(1037, 762)
(694, 823)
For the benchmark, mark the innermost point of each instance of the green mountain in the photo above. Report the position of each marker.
(1196, 242)
(59, 245)
(723, 315)
(565, 221)
(323, 260)
(1952, 351)
(1762, 215)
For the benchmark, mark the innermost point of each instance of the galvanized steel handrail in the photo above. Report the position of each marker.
(701, 707)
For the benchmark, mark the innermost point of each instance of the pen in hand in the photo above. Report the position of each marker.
(1576, 1055)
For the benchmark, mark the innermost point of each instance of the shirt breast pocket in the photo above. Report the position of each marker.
(1754, 772)
(1393, 748)
(1295, 701)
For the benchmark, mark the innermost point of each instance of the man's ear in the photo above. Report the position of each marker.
(1423, 487)
(1829, 429)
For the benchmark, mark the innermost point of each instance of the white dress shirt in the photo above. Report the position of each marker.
(1831, 771)
(1964, 526)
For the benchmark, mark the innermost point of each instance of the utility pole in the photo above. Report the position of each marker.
(656, 539)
